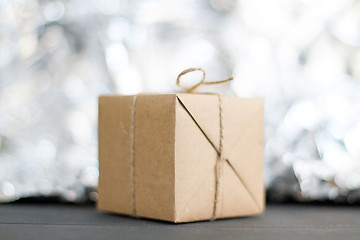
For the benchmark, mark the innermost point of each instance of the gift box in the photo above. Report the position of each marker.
(181, 157)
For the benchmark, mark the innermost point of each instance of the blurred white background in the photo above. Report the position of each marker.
(56, 57)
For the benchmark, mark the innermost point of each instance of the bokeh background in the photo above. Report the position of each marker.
(56, 57)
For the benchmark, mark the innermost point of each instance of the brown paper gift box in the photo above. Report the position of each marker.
(158, 156)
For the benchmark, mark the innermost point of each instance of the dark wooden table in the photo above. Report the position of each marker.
(65, 221)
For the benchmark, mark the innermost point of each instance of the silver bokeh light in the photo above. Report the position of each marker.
(56, 57)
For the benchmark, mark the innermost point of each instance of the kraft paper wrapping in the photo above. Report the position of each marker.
(158, 155)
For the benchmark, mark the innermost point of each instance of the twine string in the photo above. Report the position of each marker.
(218, 164)
(220, 157)
(132, 160)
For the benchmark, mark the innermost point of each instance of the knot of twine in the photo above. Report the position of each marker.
(202, 82)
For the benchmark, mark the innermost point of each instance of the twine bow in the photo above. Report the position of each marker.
(202, 82)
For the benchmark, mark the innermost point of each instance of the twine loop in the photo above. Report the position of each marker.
(202, 81)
